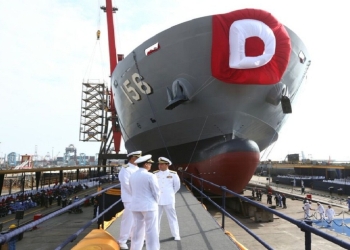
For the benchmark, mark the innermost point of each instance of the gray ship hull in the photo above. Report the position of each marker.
(169, 103)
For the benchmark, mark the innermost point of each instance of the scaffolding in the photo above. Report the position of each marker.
(93, 111)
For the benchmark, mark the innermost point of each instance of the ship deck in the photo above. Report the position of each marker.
(198, 229)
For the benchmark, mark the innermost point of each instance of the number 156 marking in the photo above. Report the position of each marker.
(142, 86)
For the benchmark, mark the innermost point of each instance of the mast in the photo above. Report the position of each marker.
(113, 63)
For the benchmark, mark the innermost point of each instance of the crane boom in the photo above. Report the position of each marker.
(113, 63)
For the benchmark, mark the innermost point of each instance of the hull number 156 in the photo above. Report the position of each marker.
(141, 86)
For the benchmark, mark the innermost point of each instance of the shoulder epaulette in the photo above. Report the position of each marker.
(172, 171)
(125, 166)
(155, 171)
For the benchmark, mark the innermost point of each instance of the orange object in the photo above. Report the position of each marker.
(97, 239)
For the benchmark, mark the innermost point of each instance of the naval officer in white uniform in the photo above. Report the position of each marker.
(169, 184)
(126, 224)
(144, 205)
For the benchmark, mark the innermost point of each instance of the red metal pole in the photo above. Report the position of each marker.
(113, 63)
(111, 39)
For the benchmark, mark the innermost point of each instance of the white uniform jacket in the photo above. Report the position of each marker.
(330, 213)
(145, 191)
(124, 176)
(320, 209)
(169, 184)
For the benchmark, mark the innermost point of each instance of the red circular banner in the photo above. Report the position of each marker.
(271, 72)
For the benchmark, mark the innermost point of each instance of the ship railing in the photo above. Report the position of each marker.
(29, 226)
(304, 225)
(290, 188)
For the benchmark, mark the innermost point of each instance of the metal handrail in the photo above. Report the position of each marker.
(305, 225)
(6, 237)
(75, 235)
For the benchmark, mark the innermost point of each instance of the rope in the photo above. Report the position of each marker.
(150, 104)
(270, 143)
(121, 125)
(99, 14)
(102, 60)
(329, 222)
(336, 223)
(322, 217)
(200, 134)
(97, 43)
(89, 66)
(339, 213)
(339, 225)
(204, 86)
(342, 224)
(306, 216)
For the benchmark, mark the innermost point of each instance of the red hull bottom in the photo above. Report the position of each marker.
(232, 170)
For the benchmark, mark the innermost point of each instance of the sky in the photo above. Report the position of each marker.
(48, 48)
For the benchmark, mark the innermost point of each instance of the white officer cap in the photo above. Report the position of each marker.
(164, 160)
(135, 153)
(145, 158)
